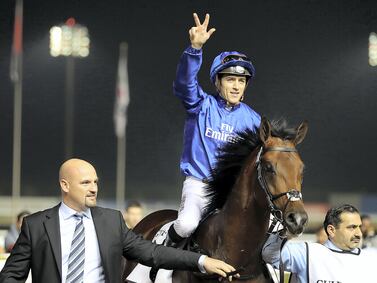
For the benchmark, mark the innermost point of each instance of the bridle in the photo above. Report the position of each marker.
(292, 194)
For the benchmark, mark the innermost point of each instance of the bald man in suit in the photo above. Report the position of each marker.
(45, 242)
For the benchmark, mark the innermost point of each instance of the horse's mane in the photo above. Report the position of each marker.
(232, 157)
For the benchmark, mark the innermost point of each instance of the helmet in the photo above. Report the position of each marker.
(231, 62)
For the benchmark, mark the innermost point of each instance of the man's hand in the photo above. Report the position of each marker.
(199, 34)
(219, 267)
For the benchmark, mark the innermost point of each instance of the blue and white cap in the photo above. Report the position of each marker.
(231, 62)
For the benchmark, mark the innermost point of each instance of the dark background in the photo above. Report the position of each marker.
(311, 60)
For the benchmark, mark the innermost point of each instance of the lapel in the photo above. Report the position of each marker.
(52, 226)
(103, 241)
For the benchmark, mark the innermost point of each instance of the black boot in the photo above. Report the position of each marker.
(172, 240)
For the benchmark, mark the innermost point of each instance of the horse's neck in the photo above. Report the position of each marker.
(243, 213)
(238, 231)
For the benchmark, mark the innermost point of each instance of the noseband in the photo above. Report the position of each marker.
(292, 194)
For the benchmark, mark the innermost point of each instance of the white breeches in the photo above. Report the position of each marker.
(191, 208)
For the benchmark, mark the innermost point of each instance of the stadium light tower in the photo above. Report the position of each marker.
(72, 41)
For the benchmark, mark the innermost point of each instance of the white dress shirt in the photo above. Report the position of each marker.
(93, 270)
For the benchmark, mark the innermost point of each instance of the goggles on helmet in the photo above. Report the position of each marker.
(234, 57)
(236, 70)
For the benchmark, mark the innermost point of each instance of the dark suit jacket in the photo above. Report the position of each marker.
(38, 247)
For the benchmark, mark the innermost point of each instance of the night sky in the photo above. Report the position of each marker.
(311, 60)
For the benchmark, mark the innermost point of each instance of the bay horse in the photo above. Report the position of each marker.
(258, 175)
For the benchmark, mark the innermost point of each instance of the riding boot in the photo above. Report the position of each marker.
(172, 240)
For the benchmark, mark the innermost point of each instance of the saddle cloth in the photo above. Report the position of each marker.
(140, 274)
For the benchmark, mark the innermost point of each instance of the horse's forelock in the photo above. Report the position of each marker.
(281, 129)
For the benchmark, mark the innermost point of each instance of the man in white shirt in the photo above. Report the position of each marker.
(338, 260)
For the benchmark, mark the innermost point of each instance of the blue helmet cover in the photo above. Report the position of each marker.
(218, 66)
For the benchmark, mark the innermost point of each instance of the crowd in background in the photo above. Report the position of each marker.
(134, 212)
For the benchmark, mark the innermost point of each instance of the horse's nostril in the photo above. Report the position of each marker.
(291, 219)
(298, 219)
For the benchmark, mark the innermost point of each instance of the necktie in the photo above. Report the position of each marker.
(76, 258)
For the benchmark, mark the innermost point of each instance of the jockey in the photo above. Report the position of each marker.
(211, 121)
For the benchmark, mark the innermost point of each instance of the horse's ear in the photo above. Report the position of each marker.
(301, 132)
(264, 130)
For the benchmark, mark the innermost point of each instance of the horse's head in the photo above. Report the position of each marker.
(280, 174)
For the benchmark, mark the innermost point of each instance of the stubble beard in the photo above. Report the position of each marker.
(90, 203)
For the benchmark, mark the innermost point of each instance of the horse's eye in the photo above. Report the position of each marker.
(268, 168)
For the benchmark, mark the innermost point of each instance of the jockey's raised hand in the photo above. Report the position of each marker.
(199, 34)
